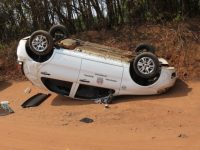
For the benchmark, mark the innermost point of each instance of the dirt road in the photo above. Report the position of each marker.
(165, 122)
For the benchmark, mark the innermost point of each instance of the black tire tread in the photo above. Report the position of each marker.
(145, 47)
(56, 28)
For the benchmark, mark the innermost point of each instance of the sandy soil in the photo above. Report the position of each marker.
(167, 122)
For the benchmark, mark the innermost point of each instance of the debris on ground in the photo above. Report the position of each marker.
(104, 100)
(35, 100)
(27, 90)
(65, 124)
(106, 106)
(182, 136)
(5, 108)
(87, 120)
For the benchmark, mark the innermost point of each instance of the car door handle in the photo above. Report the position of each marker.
(84, 80)
(46, 73)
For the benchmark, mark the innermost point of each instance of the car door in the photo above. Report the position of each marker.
(100, 74)
(61, 67)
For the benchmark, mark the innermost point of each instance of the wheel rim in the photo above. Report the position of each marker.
(146, 65)
(40, 43)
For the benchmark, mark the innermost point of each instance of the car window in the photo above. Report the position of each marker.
(91, 92)
(57, 86)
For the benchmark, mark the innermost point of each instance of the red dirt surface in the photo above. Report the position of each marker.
(168, 122)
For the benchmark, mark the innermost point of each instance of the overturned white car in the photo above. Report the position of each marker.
(84, 70)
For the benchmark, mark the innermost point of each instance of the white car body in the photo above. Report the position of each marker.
(82, 68)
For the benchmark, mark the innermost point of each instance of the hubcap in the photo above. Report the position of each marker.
(146, 65)
(40, 43)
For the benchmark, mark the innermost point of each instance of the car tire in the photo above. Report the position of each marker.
(41, 43)
(145, 48)
(146, 65)
(58, 32)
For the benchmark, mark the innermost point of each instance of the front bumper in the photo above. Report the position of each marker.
(21, 51)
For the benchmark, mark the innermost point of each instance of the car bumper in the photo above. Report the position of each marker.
(167, 80)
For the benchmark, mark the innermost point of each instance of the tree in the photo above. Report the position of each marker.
(21, 17)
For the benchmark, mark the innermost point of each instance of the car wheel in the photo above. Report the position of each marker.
(146, 65)
(145, 48)
(58, 32)
(41, 43)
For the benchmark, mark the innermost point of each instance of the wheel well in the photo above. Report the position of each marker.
(57, 86)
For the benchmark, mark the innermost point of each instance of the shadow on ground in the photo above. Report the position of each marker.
(4, 85)
(180, 89)
(60, 100)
